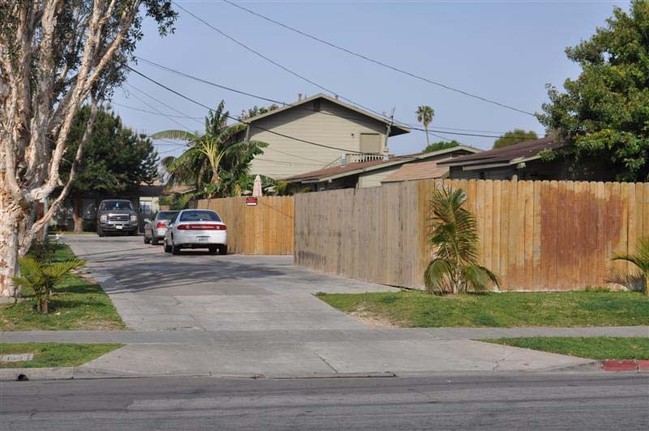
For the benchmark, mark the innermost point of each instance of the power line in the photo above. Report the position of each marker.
(286, 69)
(332, 92)
(413, 127)
(155, 113)
(213, 84)
(160, 102)
(160, 112)
(236, 119)
(380, 63)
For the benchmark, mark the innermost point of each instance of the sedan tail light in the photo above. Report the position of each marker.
(160, 225)
(201, 227)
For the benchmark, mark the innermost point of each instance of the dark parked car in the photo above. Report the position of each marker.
(116, 216)
(154, 230)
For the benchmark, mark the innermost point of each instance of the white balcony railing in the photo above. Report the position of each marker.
(358, 158)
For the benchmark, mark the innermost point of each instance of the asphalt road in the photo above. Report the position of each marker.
(504, 402)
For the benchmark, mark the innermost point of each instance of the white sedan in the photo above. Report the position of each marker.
(196, 229)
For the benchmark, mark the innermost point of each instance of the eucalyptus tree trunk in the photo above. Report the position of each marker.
(54, 56)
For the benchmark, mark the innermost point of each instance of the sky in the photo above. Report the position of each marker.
(502, 51)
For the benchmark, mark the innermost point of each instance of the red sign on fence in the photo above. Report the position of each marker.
(251, 201)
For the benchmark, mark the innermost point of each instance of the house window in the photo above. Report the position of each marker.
(370, 143)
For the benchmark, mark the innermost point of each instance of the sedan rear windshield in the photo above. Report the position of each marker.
(199, 216)
(166, 215)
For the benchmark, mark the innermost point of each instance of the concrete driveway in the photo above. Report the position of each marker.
(153, 290)
(201, 314)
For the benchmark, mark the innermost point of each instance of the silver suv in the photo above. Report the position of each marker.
(116, 216)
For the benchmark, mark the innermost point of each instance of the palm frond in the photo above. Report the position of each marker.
(479, 278)
(182, 135)
(438, 277)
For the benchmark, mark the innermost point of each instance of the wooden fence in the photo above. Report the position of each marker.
(266, 228)
(535, 235)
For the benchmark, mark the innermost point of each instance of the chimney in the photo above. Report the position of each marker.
(299, 97)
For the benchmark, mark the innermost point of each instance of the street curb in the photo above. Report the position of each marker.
(625, 366)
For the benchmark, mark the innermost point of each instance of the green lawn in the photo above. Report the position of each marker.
(52, 355)
(78, 304)
(584, 347)
(411, 309)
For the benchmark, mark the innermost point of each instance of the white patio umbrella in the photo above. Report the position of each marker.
(256, 188)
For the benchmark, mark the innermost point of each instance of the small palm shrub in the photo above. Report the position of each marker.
(42, 278)
(639, 258)
(454, 239)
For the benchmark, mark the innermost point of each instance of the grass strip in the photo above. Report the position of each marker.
(78, 304)
(599, 348)
(54, 355)
(413, 309)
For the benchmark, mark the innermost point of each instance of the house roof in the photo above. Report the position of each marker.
(395, 129)
(427, 170)
(505, 156)
(336, 172)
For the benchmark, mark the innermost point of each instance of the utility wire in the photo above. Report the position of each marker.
(278, 102)
(380, 63)
(390, 119)
(161, 102)
(413, 127)
(213, 84)
(241, 121)
(154, 113)
(160, 112)
(286, 69)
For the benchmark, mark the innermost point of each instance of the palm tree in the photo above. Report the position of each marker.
(455, 242)
(42, 277)
(640, 259)
(425, 115)
(201, 165)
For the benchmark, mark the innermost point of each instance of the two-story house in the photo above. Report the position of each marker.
(317, 132)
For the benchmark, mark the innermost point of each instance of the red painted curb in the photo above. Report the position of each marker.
(643, 365)
(618, 366)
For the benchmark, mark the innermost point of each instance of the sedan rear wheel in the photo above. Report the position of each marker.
(154, 241)
(175, 249)
(212, 249)
(146, 240)
(223, 250)
(167, 247)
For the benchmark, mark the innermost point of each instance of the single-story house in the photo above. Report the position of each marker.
(375, 172)
(524, 161)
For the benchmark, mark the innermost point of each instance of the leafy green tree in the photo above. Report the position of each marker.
(454, 240)
(215, 161)
(255, 110)
(515, 136)
(116, 159)
(425, 116)
(604, 113)
(441, 145)
(639, 258)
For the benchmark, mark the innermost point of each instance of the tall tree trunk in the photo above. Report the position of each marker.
(10, 219)
(77, 212)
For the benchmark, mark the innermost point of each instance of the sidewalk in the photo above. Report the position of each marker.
(315, 353)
